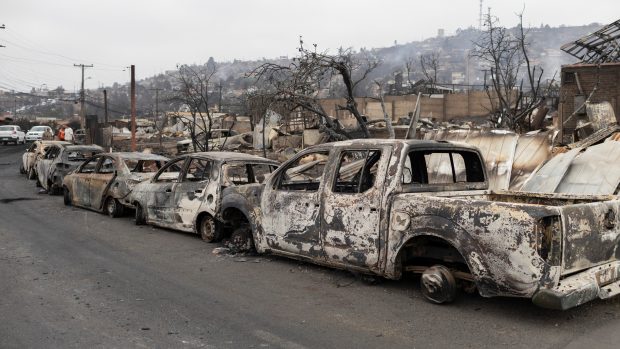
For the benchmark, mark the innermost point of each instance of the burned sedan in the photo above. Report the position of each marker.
(58, 161)
(103, 182)
(186, 194)
(33, 154)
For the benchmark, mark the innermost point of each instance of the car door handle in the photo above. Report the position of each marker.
(169, 190)
(198, 191)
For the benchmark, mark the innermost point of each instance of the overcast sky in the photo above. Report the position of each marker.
(44, 39)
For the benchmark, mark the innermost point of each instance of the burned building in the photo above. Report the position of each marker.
(594, 80)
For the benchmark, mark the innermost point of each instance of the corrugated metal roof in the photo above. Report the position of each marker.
(594, 171)
(497, 148)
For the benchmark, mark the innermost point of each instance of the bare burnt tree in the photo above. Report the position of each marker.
(430, 63)
(194, 92)
(386, 117)
(300, 84)
(506, 54)
(409, 68)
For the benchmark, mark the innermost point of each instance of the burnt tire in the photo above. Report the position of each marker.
(140, 215)
(38, 184)
(31, 174)
(438, 285)
(21, 169)
(113, 208)
(209, 229)
(241, 240)
(66, 196)
(52, 189)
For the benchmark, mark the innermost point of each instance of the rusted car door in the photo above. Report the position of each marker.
(291, 206)
(160, 205)
(191, 191)
(352, 206)
(100, 181)
(81, 182)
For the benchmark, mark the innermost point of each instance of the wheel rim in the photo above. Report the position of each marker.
(438, 284)
(208, 229)
(111, 206)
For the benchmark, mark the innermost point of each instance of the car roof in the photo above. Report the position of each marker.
(91, 147)
(230, 156)
(411, 143)
(137, 156)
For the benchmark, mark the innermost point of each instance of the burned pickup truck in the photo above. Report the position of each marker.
(186, 194)
(386, 207)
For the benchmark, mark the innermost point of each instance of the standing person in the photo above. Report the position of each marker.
(61, 133)
(48, 135)
(69, 134)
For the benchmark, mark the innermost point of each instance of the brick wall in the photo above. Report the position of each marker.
(570, 95)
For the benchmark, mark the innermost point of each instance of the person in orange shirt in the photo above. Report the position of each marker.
(61, 133)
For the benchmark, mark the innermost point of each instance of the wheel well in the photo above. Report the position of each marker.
(233, 218)
(426, 250)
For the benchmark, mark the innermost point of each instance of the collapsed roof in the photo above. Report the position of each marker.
(602, 46)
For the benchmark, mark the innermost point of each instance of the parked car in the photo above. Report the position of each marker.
(186, 193)
(58, 161)
(217, 139)
(12, 134)
(33, 154)
(103, 182)
(386, 207)
(36, 133)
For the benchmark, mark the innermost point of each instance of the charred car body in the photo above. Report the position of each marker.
(186, 194)
(385, 207)
(58, 161)
(34, 152)
(103, 182)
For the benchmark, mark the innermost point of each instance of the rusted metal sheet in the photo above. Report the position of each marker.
(594, 170)
(497, 147)
(532, 150)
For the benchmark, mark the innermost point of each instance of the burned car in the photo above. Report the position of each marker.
(217, 139)
(58, 161)
(186, 194)
(103, 182)
(33, 154)
(387, 207)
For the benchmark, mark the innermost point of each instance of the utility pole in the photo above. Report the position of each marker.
(133, 107)
(2, 27)
(219, 108)
(105, 113)
(82, 95)
(105, 106)
(156, 101)
(160, 127)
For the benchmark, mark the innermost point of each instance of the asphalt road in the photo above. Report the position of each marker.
(75, 278)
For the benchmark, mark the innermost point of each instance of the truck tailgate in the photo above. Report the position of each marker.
(591, 235)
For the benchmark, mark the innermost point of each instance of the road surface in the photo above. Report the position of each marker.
(75, 278)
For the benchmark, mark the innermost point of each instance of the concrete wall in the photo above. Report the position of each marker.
(441, 107)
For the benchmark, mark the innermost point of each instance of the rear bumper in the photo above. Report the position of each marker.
(601, 282)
